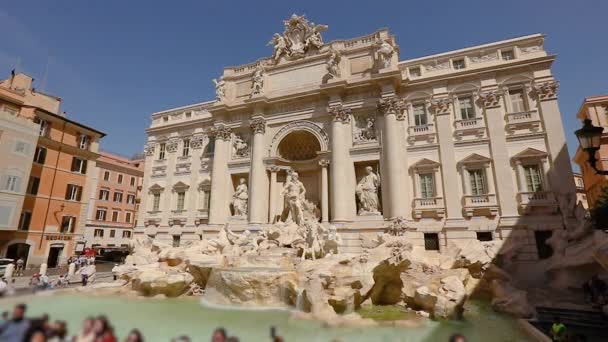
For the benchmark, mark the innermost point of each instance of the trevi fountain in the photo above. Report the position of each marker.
(294, 266)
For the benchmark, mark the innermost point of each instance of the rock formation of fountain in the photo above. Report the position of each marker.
(298, 266)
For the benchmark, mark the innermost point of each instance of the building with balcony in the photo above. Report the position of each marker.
(466, 144)
(113, 205)
(18, 138)
(52, 217)
(594, 108)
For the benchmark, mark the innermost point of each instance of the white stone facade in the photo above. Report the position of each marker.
(463, 142)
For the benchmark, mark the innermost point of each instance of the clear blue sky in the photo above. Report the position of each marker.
(115, 62)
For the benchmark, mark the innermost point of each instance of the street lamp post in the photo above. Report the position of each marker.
(589, 137)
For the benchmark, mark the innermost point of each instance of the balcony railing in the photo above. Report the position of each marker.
(527, 119)
(530, 199)
(432, 202)
(420, 132)
(469, 126)
(479, 200)
(432, 205)
(482, 203)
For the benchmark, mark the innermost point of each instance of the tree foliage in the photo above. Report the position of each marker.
(599, 213)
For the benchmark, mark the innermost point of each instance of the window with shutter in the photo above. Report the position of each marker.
(477, 179)
(518, 103)
(426, 185)
(40, 155)
(180, 200)
(419, 114)
(156, 202)
(467, 109)
(534, 179)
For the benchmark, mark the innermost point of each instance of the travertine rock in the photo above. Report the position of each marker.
(260, 287)
(508, 299)
(152, 282)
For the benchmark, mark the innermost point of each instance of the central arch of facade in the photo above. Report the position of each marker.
(300, 146)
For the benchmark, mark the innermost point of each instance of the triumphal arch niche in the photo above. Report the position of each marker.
(313, 110)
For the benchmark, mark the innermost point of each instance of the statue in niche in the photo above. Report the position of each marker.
(240, 148)
(257, 79)
(295, 194)
(239, 199)
(220, 88)
(367, 193)
(333, 64)
(366, 130)
(385, 53)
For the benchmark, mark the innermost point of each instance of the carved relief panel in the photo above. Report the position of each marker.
(364, 128)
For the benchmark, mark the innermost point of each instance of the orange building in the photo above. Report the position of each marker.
(52, 219)
(594, 108)
(113, 203)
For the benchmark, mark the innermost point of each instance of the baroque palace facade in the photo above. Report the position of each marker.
(467, 144)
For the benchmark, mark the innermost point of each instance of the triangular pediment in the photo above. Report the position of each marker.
(475, 158)
(425, 163)
(204, 184)
(180, 186)
(530, 153)
(156, 188)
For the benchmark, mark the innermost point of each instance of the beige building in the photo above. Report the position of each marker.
(581, 193)
(113, 205)
(18, 138)
(466, 144)
(594, 108)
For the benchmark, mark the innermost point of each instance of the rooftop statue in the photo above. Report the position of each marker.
(299, 37)
(220, 88)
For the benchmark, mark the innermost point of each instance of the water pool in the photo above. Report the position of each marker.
(162, 319)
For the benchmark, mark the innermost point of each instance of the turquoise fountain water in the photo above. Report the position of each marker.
(162, 319)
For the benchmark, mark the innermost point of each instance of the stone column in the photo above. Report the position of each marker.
(258, 180)
(218, 206)
(272, 212)
(394, 159)
(494, 118)
(324, 191)
(560, 172)
(340, 162)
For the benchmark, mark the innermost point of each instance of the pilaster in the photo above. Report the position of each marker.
(218, 206)
(449, 167)
(503, 176)
(560, 168)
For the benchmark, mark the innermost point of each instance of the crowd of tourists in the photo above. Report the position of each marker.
(16, 327)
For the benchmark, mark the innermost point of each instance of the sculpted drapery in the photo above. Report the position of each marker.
(367, 192)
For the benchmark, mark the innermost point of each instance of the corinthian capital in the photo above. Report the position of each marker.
(324, 163)
(258, 125)
(392, 105)
(546, 90)
(441, 106)
(490, 99)
(340, 113)
(221, 132)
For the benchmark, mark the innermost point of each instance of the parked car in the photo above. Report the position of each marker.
(3, 263)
